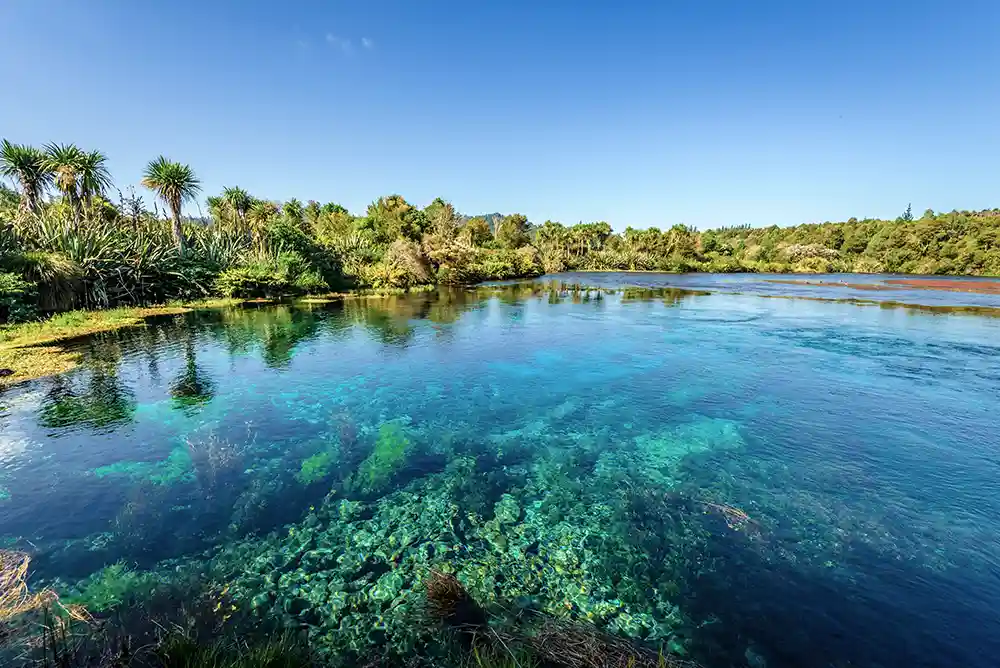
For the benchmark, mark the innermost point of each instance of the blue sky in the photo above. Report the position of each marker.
(639, 113)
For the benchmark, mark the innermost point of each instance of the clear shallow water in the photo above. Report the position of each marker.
(583, 453)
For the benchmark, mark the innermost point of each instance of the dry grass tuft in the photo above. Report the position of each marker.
(15, 597)
(448, 602)
(580, 646)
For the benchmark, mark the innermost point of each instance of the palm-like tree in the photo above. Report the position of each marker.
(260, 214)
(293, 211)
(95, 178)
(174, 183)
(64, 161)
(25, 165)
(239, 201)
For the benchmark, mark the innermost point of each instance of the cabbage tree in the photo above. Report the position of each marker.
(174, 183)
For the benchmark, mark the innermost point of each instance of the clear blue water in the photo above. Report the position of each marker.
(607, 439)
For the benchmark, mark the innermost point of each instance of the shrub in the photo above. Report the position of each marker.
(288, 273)
(17, 298)
(112, 587)
(58, 278)
(253, 281)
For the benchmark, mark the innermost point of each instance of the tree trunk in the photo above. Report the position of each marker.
(178, 232)
(29, 204)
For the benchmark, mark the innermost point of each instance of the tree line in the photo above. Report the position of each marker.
(70, 239)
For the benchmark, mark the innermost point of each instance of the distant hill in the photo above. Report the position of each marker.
(491, 218)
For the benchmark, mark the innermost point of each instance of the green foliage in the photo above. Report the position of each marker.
(17, 298)
(110, 588)
(317, 467)
(287, 273)
(77, 250)
(26, 166)
(388, 456)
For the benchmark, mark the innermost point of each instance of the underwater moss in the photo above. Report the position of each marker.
(316, 468)
(111, 587)
(388, 457)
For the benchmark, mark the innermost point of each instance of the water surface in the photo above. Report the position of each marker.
(746, 479)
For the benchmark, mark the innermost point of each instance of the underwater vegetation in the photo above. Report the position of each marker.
(110, 588)
(316, 467)
(388, 456)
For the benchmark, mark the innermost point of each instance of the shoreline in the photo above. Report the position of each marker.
(37, 349)
(32, 350)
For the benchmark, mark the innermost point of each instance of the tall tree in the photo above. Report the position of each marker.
(174, 183)
(95, 179)
(239, 201)
(26, 166)
(293, 212)
(260, 215)
(442, 218)
(511, 231)
(64, 162)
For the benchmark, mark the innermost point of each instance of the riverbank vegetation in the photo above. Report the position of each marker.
(34, 349)
(69, 239)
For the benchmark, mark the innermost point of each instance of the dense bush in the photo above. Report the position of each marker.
(17, 298)
(286, 274)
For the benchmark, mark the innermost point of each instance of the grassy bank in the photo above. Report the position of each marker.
(37, 349)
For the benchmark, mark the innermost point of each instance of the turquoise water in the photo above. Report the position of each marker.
(742, 479)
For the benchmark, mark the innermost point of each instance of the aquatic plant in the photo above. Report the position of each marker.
(111, 587)
(449, 602)
(285, 650)
(316, 467)
(388, 456)
(175, 468)
(493, 651)
(214, 460)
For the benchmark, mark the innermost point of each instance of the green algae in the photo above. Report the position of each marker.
(316, 467)
(388, 456)
(110, 587)
(129, 469)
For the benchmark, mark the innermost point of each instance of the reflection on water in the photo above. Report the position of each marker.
(745, 480)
